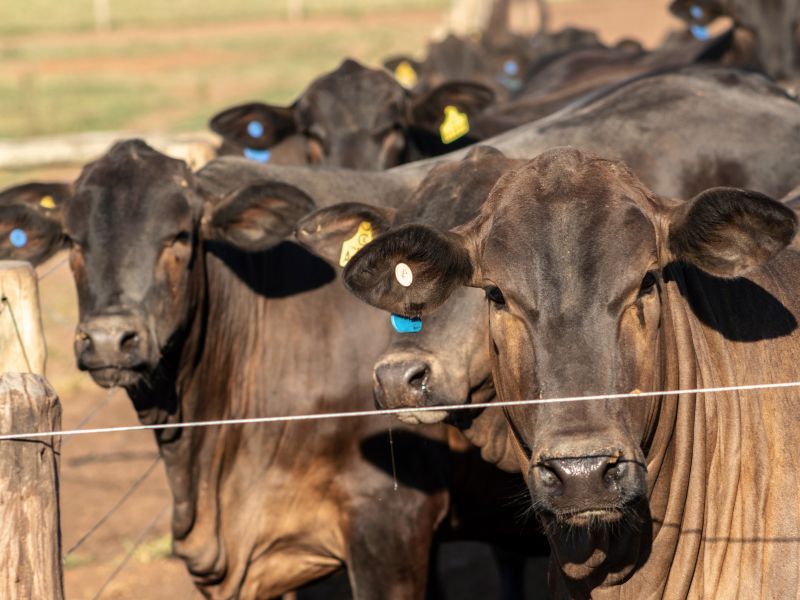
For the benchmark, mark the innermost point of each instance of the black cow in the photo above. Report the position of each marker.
(766, 33)
(195, 329)
(353, 117)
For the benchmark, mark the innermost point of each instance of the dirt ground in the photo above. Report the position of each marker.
(97, 470)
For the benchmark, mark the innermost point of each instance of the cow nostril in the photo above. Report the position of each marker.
(417, 377)
(549, 478)
(613, 473)
(129, 341)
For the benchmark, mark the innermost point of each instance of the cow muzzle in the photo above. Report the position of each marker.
(113, 348)
(585, 490)
(404, 383)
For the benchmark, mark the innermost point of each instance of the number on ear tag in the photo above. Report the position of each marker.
(454, 126)
(405, 74)
(406, 325)
(403, 274)
(349, 247)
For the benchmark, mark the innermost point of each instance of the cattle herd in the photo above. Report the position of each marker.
(625, 225)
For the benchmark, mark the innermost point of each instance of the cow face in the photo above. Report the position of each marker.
(135, 224)
(571, 251)
(353, 117)
(767, 30)
(447, 362)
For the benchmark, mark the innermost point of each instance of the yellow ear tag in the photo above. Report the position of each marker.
(405, 74)
(47, 202)
(454, 126)
(349, 247)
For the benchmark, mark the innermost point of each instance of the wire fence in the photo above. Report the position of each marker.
(136, 484)
(126, 495)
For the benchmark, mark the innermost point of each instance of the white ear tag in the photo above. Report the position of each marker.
(403, 274)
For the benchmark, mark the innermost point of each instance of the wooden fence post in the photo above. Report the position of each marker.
(22, 345)
(30, 536)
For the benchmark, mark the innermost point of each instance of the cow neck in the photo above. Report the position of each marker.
(720, 527)
(488, 431)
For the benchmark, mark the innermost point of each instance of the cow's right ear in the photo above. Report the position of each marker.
(337, 233)
(468, 97)
(255, 125)
(256, 217)
(31, 221)
(411, 270)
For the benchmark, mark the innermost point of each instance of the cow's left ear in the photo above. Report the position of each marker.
(31, 219)
(728, 232)
(257, 217)
(255, 125)
(697, 12)
(411, 270)
(337, 233)
(428, 110)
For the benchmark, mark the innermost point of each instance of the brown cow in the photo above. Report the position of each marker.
(196, 329)
(596, 285)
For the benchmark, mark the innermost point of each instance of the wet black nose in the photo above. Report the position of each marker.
(110, 341)
(587, 483)
(401, 384)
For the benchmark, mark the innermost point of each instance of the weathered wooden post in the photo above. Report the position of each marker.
(22, 345)
(30, 536)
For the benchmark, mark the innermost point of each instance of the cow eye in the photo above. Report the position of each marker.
(648, 284)
(495, 296)
(183, 237)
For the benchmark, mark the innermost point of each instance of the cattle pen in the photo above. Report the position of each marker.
(95, 507)
(31, 414)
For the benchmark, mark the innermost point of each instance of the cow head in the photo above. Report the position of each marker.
(571, 251)
(353, 117)
(767, 32)
(447, 362)
(134, 223)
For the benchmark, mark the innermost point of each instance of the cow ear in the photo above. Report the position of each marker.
(411, 270)
(337, 233)
(257, 217)
(696, 12)
(792, 199)
(255, 125)
(728, 232)
(430, 110)
(31, 221)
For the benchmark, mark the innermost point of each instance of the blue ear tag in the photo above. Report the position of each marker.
(261, 156)
(700, 33)
(696, 12)
(405, 325)
(510, 67)
(255, 129)
(18, 238)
